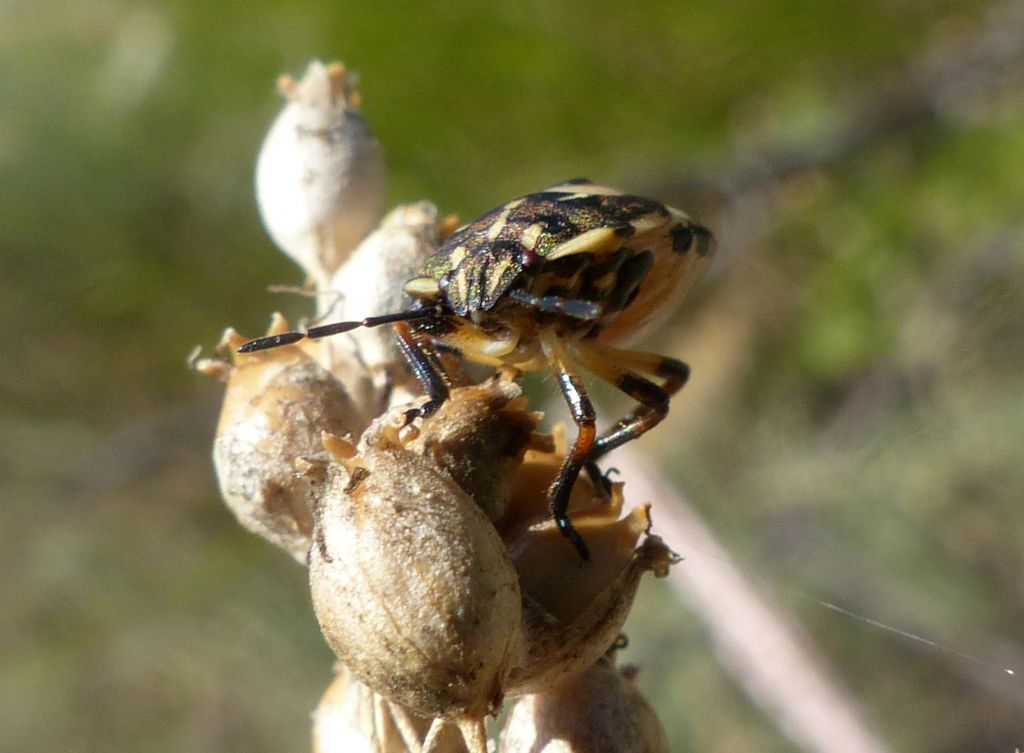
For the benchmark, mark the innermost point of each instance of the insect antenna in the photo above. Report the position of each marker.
(335, 328)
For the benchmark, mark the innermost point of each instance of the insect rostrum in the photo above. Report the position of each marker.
(562, 278)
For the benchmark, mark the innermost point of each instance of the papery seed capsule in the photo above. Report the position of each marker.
(368, 360)
(276, 406)
(572, 617)
(411, 584)
(351, 718)
(598, 711)
(320, 172)
(479, 437)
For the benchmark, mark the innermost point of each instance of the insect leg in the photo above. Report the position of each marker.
(553, 304)
(619, 368)
(426, 368)
(583, 414)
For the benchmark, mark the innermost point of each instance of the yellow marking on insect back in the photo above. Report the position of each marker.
(456, 256)
(422, 287)
(648, 222)
(599, 240)
(458, 286)
(496, 277)
(501, 220)
(531, 235)
(497, 226)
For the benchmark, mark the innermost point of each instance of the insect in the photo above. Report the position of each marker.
(558, 279)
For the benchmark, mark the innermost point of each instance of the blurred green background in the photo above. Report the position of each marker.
(855, 426)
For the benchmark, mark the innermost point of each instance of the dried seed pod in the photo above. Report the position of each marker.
(385, 538)
(574, 611)
(351, 718)
(276, 405)
(648, 725)
(597, 711)
(368, 282)
(528, 497)
(411, 584)
(320, 171)
(479, 436)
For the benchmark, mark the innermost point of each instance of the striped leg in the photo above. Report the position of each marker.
(619, 367)
(426, 368)
(583, 414)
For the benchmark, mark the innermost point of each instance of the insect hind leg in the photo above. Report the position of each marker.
(620, 368)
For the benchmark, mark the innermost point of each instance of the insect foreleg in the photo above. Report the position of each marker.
(426, 368)
(552, 304)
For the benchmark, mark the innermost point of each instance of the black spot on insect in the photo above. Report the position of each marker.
(590, 201)
(542, 197)
(682, 238)
(625, 231)
(642, 389)
(569, 266)
(627, 283)
(578, 181)
(558, 291)
(557, 225)
(436, 327)
(705, 241)
(609, 264)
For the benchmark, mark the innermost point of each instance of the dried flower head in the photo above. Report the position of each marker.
(370, 280)
(437, 574)
(411, 584)
(597, 711)
(320, 172)
(275, 408)
(351, 718)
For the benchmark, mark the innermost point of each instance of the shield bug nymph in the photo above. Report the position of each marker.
(558, 279)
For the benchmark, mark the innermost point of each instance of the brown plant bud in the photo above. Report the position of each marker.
(320, 171)
(573, 612)
(276, 405)
(648, 725)
(351, 718)
(479, 436)
(412, 586)
(597, 711)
